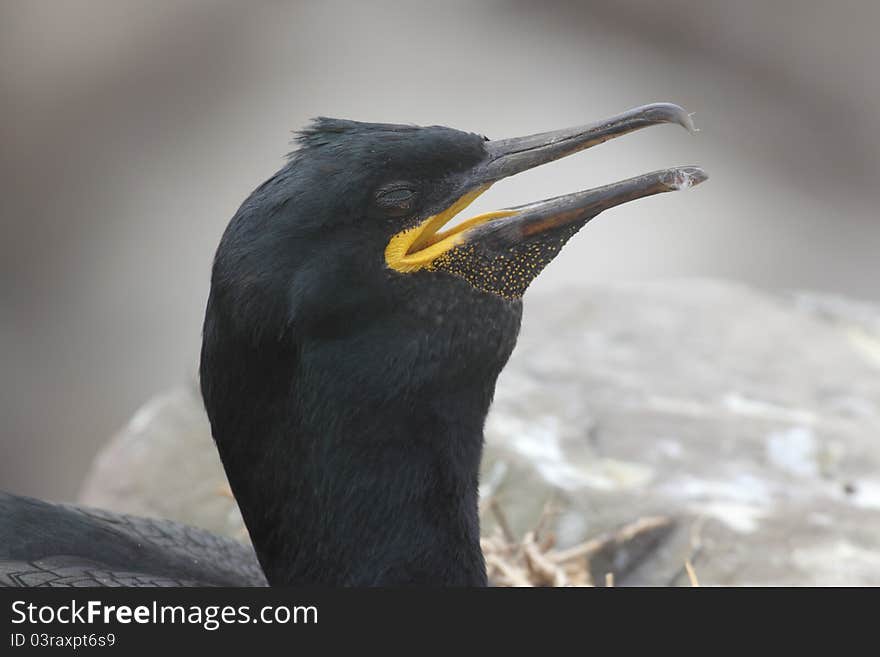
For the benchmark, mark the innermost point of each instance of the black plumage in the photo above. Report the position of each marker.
(350, 353)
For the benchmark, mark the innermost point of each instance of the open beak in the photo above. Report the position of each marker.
(511, 246)
(509, 157)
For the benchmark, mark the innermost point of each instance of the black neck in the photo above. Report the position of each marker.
(339, 492)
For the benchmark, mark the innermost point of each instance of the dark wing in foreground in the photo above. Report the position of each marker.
(44, 544)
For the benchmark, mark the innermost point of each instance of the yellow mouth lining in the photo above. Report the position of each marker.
(418, 247)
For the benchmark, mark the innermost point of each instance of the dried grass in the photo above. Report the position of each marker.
(534, 560)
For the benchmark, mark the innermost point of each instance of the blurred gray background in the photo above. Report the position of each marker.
(131, 131)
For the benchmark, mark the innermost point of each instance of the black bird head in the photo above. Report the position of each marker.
(352, 341)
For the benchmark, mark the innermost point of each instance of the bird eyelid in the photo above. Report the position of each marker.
(396, 197)
(395, 194)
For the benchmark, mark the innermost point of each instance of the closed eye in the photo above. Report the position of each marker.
(396, 196)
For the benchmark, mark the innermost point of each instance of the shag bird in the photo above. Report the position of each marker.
(351, 345)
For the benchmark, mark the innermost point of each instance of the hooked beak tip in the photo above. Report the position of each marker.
(671, 113)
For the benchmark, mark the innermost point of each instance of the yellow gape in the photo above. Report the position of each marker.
(419, 247)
